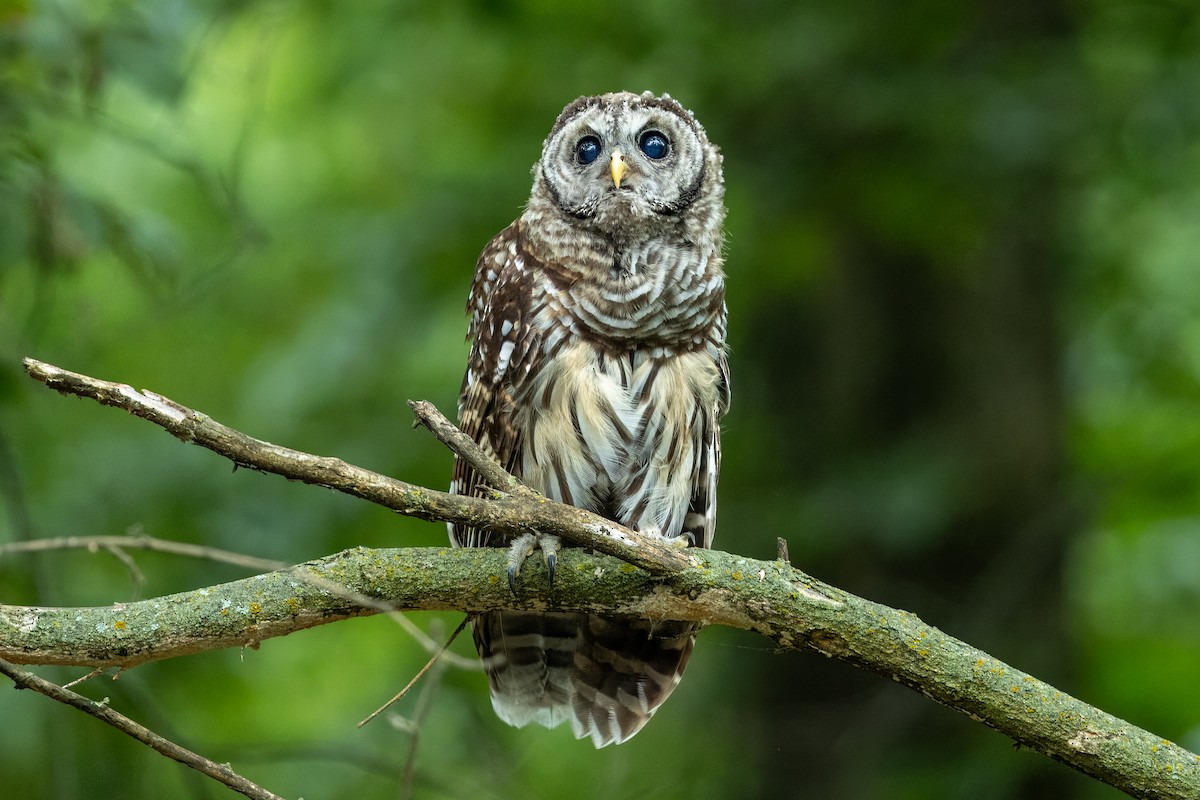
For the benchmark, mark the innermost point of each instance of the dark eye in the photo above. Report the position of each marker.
(653, 144)
(587, 150)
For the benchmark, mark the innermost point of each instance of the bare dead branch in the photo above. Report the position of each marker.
(462, 446)
(102, 712)
(513, 514)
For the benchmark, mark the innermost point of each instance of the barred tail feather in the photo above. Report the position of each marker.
(607, 675)
(528, 659)
(624, 670)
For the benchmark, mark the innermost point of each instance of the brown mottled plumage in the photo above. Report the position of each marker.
(598, 376)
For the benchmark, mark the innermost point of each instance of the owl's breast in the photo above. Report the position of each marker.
(657, 296)
(619, 435)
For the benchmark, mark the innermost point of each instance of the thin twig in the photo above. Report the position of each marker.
(417, 721)
(431, 647)
(140, 541)
(135, 572)
(465, 448)
(102, 712)
(417, 677)
(83, 678)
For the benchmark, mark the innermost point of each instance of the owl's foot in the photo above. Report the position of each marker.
(680, 541)
(523, 547)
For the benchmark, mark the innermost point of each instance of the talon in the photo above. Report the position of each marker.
(518, 551)
(523, 546)
(550, 546)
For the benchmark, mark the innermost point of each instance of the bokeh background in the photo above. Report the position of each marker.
(963, 251)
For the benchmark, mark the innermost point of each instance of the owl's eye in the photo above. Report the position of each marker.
(587, 150)
(653, 144)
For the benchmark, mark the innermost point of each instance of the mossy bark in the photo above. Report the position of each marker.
(771, 597)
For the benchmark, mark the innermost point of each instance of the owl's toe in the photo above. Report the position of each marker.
(550, 546)
(523, 547)
(679, 541)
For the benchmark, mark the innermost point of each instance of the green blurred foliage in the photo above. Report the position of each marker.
(965, 348)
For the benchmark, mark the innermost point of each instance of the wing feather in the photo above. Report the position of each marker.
(701, 519)
(505, 353)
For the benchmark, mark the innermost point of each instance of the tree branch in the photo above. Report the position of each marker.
(139, 541)
(771, 597)
(464, 447)
(515, 514)
(101, 711)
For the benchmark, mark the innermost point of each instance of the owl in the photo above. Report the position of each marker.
(597, 374)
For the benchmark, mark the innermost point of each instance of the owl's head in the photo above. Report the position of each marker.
(624, 163)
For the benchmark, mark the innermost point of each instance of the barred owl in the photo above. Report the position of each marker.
(597, 374)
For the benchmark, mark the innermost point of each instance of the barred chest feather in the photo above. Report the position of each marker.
(659, 293)
(623, 434)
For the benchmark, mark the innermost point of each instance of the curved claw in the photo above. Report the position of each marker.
(550, 547)
(523, 547)
(518, 551)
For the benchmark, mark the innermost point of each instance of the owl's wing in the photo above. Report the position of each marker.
(505, 352)
(701, 519)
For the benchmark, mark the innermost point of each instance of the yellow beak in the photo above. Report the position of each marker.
(619, 168)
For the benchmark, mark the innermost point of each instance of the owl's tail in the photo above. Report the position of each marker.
(607, 675)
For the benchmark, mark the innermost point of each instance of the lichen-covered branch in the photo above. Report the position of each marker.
(771, 597)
